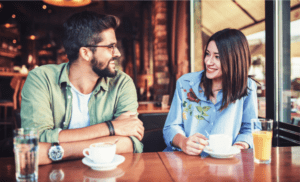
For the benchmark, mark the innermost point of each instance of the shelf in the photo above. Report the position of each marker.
(7, 53)
(12, 74)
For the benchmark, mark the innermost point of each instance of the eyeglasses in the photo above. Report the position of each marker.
(112, 47)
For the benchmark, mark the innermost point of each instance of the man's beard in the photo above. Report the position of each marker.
(106, 72)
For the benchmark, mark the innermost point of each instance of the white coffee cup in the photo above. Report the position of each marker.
(220, 143)
(100, 152)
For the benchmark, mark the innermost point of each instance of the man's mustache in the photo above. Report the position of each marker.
(115, 59)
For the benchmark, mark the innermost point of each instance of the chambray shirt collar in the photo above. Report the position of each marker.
(64, 78)
(194, 81)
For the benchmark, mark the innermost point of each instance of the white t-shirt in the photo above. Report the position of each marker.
(80, 111)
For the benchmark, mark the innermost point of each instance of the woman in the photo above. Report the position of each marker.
(221, 99)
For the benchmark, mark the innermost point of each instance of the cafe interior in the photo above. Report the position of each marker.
(160, 41)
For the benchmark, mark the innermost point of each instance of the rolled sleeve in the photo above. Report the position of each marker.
(36, 110)
(137, 145)
(174, 122)
(127, 101)
(50, 136)
(245, 138)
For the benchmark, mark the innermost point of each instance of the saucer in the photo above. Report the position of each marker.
(94, 175)
(118, 159)
(233, 151)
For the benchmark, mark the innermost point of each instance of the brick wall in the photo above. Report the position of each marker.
(160, 48)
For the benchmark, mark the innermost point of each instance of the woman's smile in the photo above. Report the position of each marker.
(212, 62)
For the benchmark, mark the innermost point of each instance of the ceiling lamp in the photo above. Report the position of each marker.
(49, 42)
(68, 3)
(32, 34)
(11, 22)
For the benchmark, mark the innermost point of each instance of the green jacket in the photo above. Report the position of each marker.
(47, 101)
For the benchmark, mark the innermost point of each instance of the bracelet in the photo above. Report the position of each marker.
(111, 128)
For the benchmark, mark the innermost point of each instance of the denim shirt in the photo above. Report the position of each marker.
(47, 101)
(191, 113)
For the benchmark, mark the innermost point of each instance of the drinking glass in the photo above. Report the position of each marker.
(26, 154)
(262, 132)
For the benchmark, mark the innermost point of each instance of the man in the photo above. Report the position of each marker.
(86, 100)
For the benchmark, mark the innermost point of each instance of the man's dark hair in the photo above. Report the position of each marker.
(235, 60)
(83, 29)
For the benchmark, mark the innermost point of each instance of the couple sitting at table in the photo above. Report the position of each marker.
(86, 100)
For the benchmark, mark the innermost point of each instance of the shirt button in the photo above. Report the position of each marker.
(69, 96)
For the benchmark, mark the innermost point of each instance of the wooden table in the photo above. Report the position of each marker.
(136, 167)
(174, 166)
(285, 166)
(151, 108)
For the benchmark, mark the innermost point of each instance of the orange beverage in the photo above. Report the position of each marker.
(262, 141)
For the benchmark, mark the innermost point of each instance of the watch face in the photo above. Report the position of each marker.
(56, 153)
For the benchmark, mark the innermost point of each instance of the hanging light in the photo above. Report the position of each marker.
(49, 42)
(68, 3)
(11, 22)
(32, 34)
(32, 37)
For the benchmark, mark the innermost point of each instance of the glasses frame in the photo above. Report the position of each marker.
(111, 46)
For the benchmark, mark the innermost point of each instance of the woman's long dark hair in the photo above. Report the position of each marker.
(235, 61)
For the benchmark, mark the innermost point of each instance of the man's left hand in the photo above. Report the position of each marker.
(127, 124)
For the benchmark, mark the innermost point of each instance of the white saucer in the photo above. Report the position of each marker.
(104, 167)
(233, 151)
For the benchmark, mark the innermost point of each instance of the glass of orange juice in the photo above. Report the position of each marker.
(262, 132)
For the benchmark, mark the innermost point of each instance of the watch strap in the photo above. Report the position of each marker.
(111, 128)
(54, 144)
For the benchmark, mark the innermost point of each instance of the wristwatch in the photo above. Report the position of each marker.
(56, 152)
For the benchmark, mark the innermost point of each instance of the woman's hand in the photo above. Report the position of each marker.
(241, 145)
(192, 145)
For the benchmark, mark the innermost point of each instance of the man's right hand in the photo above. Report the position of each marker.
(128, 124)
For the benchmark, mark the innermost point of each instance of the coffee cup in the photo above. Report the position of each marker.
(220, 143)
(100, 152)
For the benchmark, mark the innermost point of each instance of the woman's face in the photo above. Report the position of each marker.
(212, 62)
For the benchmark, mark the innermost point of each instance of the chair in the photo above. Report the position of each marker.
(285, 134)
(153, 141)
(6, 147)
(296, 121)
(153, 138)
(15, 84)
